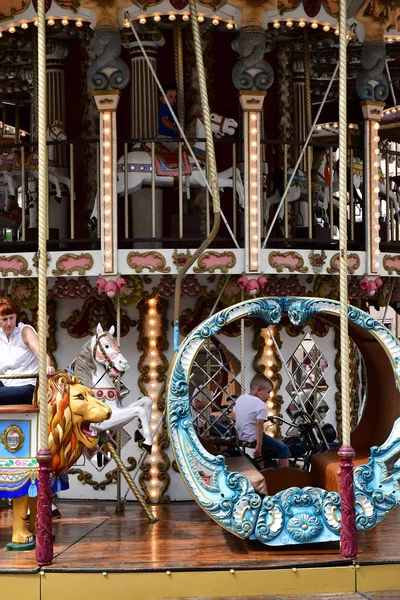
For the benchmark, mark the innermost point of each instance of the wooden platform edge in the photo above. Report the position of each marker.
(182, 584)
(47, 585)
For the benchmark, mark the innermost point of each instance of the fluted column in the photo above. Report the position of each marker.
(55, 71)
(144, 124)
(299, 106)
(144, 90)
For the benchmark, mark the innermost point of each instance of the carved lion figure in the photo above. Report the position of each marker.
(71, 411)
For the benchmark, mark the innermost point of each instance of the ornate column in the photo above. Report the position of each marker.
(56, 53)
(299, 105)
(107, 75)
(144, 90)
(373, 89)
(252, 76)
(144, 124)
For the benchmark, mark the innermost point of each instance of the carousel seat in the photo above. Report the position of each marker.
(243, 465)
(325, 469)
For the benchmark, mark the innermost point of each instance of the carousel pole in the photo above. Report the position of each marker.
(120, 506)
(348, 539)
(44, 539)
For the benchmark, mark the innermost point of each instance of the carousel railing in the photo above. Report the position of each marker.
(179, 215)
(309, 213)
(69, 193)
(389, 183)
(183, 216)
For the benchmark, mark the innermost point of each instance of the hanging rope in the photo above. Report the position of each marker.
(307, 85)
(213, 175)
(179, 75)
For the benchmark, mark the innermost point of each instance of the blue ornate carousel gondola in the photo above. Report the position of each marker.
(294, 515)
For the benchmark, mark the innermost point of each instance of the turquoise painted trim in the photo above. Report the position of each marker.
(293, 516)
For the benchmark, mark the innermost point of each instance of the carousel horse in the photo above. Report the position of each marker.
(72, 412)
(298, 191)
(139, 163)
(10, 167)
(97, 366)
(357, 171)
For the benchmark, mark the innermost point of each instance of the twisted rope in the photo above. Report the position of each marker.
(307, 84)
(343, 283)
(179, 75)
(42, 219)
(205, 106)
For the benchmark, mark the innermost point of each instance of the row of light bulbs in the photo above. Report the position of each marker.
(269, 362)
(107, 196)
(254, 188)
(314, 25)
(154, 324)
(375, 202)
(50, 21)
(185, 17)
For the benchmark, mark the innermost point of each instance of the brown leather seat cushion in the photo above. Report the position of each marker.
(326, 469)
(243, 465)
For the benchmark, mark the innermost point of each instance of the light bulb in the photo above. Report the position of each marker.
(289, 23)
(78, 23)
(253, 117)
(302, 24)
(25, 25)
(172, 17)
(326, 28)
(215, 22)
(127, 23)
(11, 29)
(185, 17)
(314, 25)
(229, 26)
(276, 24)
(142, 20)
(157, 18)
(64, 22)
(200, 19)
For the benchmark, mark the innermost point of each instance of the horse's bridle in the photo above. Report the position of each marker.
(109, 363)
(220, 123)
(52, 130)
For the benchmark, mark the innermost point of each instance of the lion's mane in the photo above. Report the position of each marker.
(64, 446)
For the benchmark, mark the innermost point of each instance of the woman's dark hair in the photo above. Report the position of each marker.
(7, 307)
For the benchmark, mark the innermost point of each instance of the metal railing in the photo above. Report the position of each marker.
(162, 201)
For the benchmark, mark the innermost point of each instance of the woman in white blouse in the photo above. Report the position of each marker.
(19, 354)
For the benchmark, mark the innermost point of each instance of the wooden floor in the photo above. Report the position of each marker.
(109, 553)
(91, 537)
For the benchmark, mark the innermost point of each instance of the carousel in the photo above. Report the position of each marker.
(169, 241)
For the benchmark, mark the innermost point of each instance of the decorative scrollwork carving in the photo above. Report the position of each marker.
(251, 72)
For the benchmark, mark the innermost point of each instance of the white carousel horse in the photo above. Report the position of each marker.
(10, 166)
(97, 365)
(298, 191)
(357, 171)
(139, 163)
